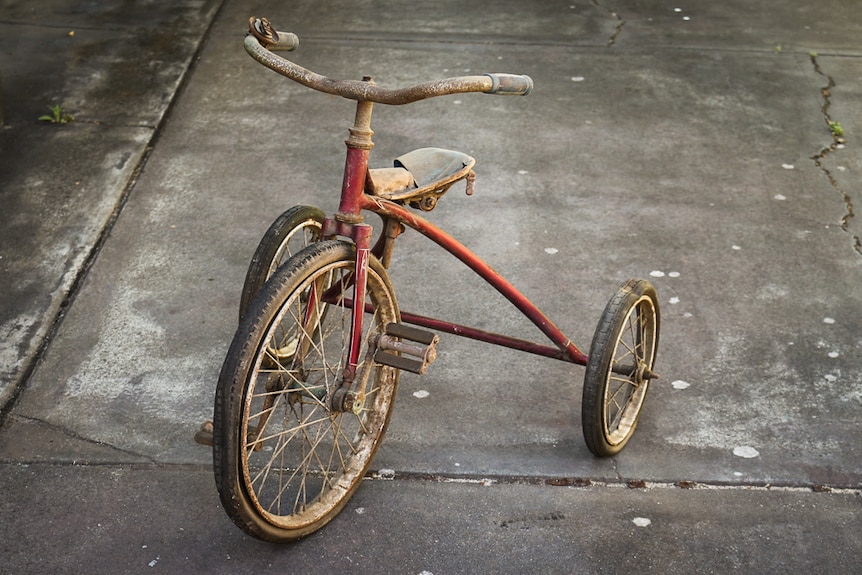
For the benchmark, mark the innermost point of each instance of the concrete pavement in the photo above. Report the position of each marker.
(685, 143)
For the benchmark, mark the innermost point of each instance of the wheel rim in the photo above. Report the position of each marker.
(306, 233)
(302, 236)
(300, 458)
(633, 356)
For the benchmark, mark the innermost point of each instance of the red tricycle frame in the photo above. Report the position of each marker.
(348, 222)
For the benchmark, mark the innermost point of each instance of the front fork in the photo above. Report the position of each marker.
(362, 239)
(343, 398)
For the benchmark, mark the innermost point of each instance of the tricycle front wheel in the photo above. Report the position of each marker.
(620, 366)
(286, 459)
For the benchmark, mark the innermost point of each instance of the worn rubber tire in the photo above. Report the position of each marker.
(239, 437)
(279, 242)
(627, 335)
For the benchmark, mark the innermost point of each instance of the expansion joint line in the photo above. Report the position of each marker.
(837, 140)
(616, 482)
(620, 22)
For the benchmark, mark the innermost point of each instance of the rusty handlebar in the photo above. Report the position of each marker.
(366, 91)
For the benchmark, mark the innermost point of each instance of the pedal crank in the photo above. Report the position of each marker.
(419, 345)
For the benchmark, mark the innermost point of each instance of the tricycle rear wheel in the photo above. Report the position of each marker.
(292, 231)
(619, 368)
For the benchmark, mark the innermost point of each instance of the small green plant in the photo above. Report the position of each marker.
(57, 116)
(836, 129)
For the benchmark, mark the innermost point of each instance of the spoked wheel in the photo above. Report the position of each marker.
(285, 460)
(292, 231)
(620, 366)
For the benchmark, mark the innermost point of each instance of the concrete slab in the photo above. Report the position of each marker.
(146, 519)
(115, 69)
(54, 212)
(737, 25)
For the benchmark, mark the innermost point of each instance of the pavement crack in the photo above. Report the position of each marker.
(616, 469)
(65, 431)
(838, 142)
(620, 22)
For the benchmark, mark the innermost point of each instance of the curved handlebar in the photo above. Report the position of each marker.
(259, 43)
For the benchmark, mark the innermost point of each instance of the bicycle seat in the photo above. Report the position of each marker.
(420, 177)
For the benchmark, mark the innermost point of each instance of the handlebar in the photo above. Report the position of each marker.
(262, 39)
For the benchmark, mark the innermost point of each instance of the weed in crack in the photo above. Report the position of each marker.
(838, 139)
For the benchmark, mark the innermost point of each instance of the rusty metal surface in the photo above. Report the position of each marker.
(366, 92)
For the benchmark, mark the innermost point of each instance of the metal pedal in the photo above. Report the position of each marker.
(400, 362)
(406, 340)
(413, 334)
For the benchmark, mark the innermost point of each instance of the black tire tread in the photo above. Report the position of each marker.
(600, 357)
(268, 247)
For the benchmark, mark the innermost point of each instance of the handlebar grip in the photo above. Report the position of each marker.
(510, 84)
(287, 42)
